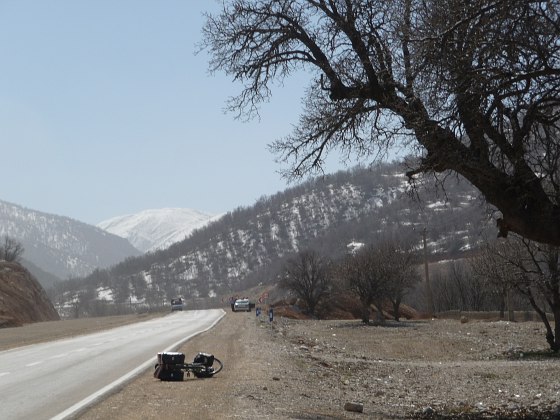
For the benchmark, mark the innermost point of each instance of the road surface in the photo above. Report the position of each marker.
(58, 378)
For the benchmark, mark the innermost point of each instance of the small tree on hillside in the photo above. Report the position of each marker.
(307, 275)
(11, 250)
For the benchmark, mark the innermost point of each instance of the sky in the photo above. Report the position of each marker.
(106, 110)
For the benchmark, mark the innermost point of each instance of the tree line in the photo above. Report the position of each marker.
(502, 275)
(374, 273)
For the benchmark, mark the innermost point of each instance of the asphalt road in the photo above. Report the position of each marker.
(58, 378)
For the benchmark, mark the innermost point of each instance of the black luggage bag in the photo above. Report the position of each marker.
(169, 366)
(171, 358)
(165, 374)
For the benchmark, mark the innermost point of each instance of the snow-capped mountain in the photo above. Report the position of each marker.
(155, 229)
(59, 245)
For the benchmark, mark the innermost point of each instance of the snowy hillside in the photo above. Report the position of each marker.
(61, 246)
(249, 246)
(150, 230)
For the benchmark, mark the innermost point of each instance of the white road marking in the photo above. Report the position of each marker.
(58, 356)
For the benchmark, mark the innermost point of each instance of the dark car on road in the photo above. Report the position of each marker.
(176, 304)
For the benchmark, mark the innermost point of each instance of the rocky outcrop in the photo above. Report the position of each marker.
(22, 299)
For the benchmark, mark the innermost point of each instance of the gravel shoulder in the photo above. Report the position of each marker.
(294, 369)
(310, 369)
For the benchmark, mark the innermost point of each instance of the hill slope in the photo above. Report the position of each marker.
(22, 299)
(248, 246)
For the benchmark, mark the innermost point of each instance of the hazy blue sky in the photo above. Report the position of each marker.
(106, 110)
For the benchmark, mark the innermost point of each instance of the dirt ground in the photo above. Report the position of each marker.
(294, 369)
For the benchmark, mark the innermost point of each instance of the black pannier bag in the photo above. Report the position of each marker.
(165, 374)
(171, 358)
(169, 366)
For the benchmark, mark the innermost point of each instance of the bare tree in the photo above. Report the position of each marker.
(490, 266)
(308, 276)
(400, 266)
(474, 86)
(473, 291)
(534, 271)
(465, 286)
(11, 250)
(365, 274)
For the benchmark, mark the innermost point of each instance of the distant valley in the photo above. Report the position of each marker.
(58, 247)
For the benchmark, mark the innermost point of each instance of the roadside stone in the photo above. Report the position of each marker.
(428, 411)
(354, 407)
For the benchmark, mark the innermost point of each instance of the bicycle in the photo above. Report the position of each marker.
(171, 366)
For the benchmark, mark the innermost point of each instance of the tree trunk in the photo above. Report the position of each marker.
(365, 313)
(379, 316)
(502, 306)
(550, 339)
(396, 305)
(556, 340)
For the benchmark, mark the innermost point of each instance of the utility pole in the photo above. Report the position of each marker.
(429, 296)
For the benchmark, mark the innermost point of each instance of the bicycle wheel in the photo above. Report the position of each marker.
(220, 366)
(201, 371)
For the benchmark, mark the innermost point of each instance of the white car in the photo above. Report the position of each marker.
(242, 305)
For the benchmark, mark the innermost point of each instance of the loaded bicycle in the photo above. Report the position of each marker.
(171, 366)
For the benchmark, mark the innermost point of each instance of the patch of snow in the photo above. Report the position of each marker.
(354, 247)
(436, 204)
(105, 294)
